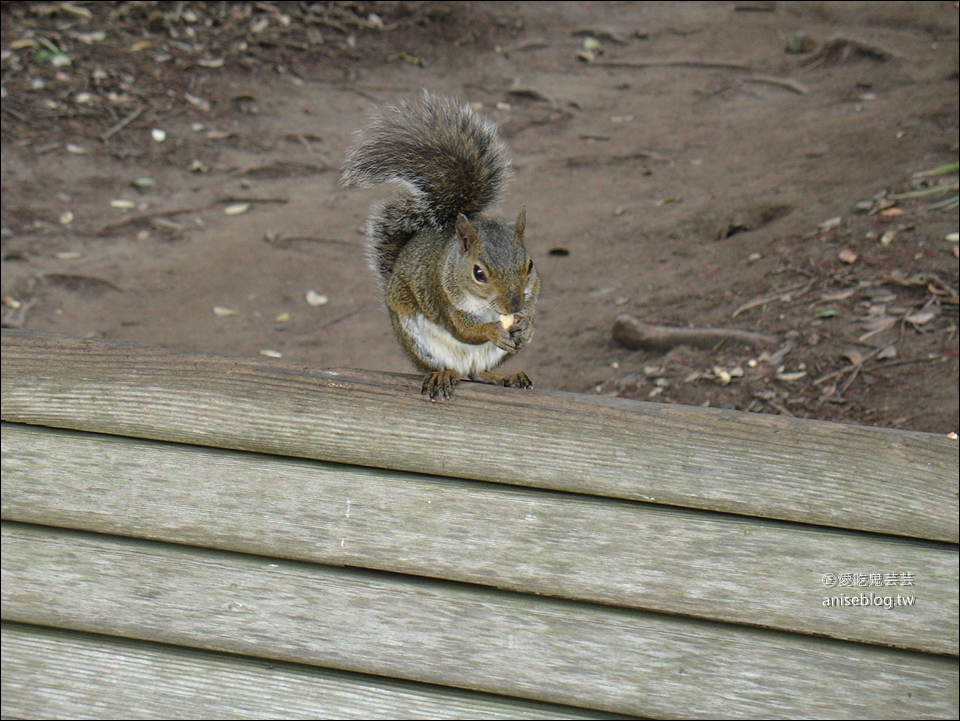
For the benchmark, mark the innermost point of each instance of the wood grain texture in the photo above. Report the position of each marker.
(51, 673)
(459, 635)
(871, 479)
(716, 566)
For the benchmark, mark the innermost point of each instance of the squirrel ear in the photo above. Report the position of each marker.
(465, 232)
(520, 225)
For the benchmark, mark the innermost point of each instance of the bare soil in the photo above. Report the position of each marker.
(677, 164)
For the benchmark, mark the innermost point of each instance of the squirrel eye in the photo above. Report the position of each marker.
(479, 275)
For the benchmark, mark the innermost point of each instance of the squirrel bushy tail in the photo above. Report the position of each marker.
(448, 159)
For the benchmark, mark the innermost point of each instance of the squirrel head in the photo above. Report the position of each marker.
(492, 267)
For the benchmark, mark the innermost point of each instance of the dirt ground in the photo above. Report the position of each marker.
(169, 175)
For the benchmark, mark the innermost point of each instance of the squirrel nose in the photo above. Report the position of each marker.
(514, 302)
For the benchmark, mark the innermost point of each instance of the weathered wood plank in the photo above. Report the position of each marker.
(51, 673)
(459, 635)
(764, 573)
(870, 479)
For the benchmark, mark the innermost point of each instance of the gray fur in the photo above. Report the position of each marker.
(447, 159)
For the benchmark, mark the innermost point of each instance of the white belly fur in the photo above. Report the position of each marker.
(438, 348)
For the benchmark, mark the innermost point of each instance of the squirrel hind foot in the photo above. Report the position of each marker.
(517, 380)
(439, 384)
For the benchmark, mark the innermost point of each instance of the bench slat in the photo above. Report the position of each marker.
(51, 673)
(872, 479)
(458, 635)
(709, 565)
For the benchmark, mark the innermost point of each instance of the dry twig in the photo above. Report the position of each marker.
(779, 295)
(788, 83)
(673, 62)
(141, 217)
(105, 136)
(633, 334)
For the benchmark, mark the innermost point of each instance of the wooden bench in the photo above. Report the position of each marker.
(191, 535)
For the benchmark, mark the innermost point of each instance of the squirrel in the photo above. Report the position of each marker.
(460, 288)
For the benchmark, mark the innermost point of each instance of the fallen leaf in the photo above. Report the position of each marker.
(89, 38)
(790, 377)
(917, 280)
(60, 60)
(923, 316)
(839, 295)
(77, 10)
(877, 325)
(200, 103)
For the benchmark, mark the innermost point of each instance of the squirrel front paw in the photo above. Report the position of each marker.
(521, 332)
(514, 339)
(503, 339)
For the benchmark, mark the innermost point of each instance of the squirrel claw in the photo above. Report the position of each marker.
(439, 384)
(505, 342)
(517, 380)
(514, 339)
(521, 332)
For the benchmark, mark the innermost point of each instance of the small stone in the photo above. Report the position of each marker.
(315, 299)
